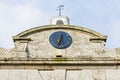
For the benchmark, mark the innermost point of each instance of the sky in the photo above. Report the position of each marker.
(102, 16)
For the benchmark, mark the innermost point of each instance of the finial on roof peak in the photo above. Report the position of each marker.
(60, 19)
(59, 9)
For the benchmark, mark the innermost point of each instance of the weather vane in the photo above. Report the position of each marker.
(59, 9)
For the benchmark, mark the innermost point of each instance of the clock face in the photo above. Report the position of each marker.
(60, 40)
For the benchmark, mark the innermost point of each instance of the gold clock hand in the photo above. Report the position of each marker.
(59, 39)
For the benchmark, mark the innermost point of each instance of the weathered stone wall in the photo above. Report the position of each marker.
(100, 74)
(86, 43)
(34, 58)
(41, 47)
(82, 45)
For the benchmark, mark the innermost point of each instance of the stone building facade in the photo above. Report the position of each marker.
(38, 56)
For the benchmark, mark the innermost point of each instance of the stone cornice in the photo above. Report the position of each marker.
(48, 27)
(38, 64)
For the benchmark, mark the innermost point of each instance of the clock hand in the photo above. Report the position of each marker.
(59, 39)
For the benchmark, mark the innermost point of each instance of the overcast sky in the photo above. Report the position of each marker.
(102, 16)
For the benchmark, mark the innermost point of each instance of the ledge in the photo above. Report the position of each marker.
(21, 39)
(59, 65)
(58, 61)
(102, 39)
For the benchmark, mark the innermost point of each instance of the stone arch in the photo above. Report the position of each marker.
(50, 27)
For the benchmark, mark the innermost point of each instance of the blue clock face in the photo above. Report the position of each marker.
(60, 40)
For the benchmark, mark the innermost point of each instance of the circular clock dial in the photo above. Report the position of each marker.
(60, 40)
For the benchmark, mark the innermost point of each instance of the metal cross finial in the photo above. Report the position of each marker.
(59, 9)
